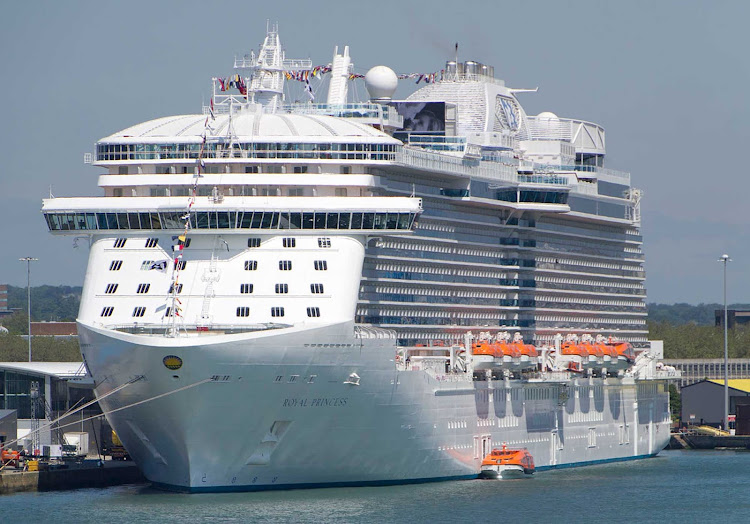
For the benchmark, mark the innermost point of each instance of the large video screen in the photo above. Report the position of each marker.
(422, 118)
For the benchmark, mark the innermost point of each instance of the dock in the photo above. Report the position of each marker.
(87, 474)
(700, 438)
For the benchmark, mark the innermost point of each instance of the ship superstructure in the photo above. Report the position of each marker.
(269, 278)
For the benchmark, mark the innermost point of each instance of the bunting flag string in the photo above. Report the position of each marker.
(304, 76)
(234, 81)
(180, 242)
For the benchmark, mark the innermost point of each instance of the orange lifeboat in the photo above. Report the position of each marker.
(608, 351)
(624, 349)
(527, 350)
(593, 350)
(573, 349)
(483, 348)
(511, 350)
(486, 355)
(507, 463)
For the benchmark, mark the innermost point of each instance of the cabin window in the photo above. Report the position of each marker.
(251, 265)
(139, 311)
(285, 265)
(120, 242)
(152, 242)
(111, 288)
(277, 311)
(107, 311)
(143, 288)
(313, 312)
(282, 288)
(316, 288)
(246, 288)
(321, 265)
(243, 311)
(115, 265)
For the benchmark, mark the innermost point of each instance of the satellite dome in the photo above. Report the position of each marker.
(546, 115)
(381, 82)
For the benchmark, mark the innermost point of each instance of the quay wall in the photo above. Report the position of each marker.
(73, 478)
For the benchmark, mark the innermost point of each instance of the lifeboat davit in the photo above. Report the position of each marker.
(588, 354)
(598, 353)
(507, 463)
(500, 353)
(496, 355)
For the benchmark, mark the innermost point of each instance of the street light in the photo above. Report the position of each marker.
(725, 258)
(28, 261)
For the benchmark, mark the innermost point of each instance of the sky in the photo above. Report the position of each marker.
(668, 80)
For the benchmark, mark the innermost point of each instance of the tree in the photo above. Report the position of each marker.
(14, 348)
(17, 323)
(675, 403)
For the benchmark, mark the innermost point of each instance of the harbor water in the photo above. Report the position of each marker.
(676, 486)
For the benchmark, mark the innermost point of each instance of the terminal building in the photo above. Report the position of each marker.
(34, 393)
(697, 369)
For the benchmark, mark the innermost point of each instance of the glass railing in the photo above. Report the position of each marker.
(361, 110)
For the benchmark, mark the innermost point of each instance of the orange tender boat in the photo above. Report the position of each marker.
(507, 463)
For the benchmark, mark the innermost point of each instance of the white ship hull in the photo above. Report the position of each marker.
(248, 429)
(277, 254)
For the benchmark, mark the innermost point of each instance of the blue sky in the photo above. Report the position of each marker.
(667, 80)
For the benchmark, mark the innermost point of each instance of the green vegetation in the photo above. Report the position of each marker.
(675, 403)
(693, 341)
(51, 303)
(679, 314)
(14, 348)
(58, 303)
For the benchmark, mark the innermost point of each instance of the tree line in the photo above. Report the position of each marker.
(50, 303)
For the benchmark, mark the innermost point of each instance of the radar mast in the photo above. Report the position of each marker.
(266, 87)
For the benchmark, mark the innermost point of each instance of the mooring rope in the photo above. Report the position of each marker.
(73, 411)
(105, 413)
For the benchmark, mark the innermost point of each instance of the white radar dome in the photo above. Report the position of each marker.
(381, 82)
(546, 115)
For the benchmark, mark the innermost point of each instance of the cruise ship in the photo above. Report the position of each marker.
(285, 295)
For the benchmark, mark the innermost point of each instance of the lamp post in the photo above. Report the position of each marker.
(28, 261)
(725, 258)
